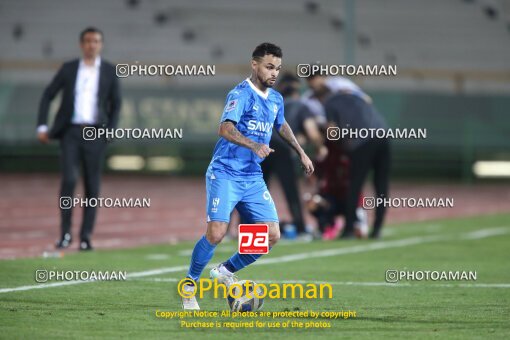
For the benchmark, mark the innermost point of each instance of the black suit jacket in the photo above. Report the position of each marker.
(108, 100)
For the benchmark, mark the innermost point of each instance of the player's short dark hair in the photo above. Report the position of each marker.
(265, 49)
(90, 29)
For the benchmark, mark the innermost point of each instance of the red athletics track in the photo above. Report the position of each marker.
(29, 212)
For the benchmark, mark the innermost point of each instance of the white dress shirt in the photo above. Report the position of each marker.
(85, 95)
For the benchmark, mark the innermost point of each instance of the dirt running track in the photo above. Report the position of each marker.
(29, 212)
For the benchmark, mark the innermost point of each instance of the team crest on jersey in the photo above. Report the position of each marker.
(215, 203)
(231, 105)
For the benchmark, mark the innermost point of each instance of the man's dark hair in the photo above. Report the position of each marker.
(289, 77)
(90, 30)
(288, 84)
(265, 49)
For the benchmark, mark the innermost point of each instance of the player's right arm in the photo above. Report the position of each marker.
(236, 105)
(49, 93)
(229, 131)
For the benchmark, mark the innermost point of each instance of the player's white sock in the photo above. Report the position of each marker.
(224, 271)
(223, 275)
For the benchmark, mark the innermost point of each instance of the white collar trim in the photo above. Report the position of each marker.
(254, 88)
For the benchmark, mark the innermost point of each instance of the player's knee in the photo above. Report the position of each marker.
(274, 234)
(215, 232)
(214, 237)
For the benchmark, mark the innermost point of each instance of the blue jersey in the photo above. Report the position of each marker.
(256, 115)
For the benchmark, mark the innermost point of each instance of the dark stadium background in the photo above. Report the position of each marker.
(453, 79)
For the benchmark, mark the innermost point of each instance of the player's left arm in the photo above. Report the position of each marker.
(286, 133)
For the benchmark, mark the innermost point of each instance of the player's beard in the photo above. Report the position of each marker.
(268, 83)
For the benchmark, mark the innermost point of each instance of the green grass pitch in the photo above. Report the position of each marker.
(356, 270)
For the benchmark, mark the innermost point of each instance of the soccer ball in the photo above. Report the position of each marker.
(242, 298)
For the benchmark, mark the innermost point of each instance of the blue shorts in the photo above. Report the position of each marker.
(251, 198)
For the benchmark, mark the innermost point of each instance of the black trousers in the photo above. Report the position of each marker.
(76, 151)
(281, 164)
(326, 215)
(373, 155)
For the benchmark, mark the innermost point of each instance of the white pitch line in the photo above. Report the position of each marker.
(296, 257)
(475, 235)
(157, 257)
(42, 285)
(157, 271)
(68, 283)
(173, 279)
(351, 250)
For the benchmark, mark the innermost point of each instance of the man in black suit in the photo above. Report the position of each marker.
(91, 99)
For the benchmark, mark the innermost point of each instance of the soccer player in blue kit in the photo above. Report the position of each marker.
(234, 177)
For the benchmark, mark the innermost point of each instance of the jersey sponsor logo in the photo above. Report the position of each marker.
(255, 125)
(231, 105)
(253, 239)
